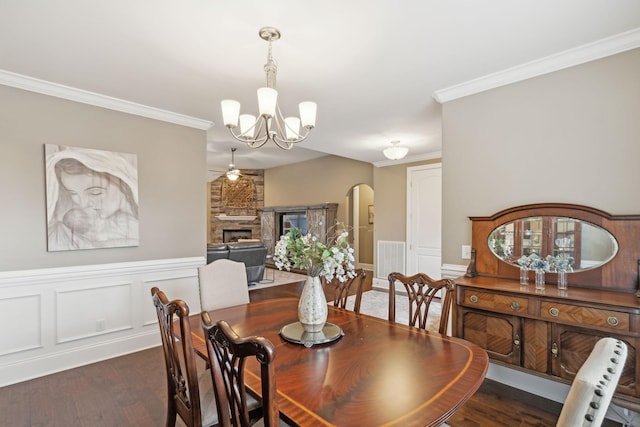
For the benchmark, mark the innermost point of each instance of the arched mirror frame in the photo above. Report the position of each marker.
(619, 274)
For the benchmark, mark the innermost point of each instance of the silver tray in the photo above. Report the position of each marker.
(294, 333)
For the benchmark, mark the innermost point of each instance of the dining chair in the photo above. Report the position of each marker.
(223, 283)
(421, 290)
(188, 395)
(341, 290)
(594, 385)
(228, 354)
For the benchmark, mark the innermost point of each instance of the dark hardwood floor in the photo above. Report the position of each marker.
(131, 391)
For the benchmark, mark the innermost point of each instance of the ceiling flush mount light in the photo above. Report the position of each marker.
(395, 152)
(233, 173)
(271, 125)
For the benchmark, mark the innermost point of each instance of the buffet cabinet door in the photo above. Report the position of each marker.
(499, 334)
(570, 347)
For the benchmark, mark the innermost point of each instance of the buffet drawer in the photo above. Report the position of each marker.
(495, 301)
(585, 316)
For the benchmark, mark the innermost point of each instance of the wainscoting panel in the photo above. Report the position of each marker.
(62, 318)
(95, 311)
(26, 309)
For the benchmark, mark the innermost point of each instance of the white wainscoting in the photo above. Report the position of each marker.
(61, 318)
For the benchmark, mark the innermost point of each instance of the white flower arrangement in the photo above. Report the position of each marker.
(307, 252)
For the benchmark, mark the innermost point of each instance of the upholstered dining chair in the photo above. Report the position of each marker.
(593, 386)
(223, 283)
(228, 354)
(189, 396)
(341, 290)
(421, 290)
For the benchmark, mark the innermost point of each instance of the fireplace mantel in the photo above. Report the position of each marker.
(236, 217)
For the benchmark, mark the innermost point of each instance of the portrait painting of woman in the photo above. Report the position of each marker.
(92, 198)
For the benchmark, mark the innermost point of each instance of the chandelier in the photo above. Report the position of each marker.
(395, 152)
(233, 173)
(271, 125)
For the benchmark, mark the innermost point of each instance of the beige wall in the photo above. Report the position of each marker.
(327, 179)
(171, 175)
(366, 197)
(390, 186)
(571, 136)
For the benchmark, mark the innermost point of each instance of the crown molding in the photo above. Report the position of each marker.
(409, 159)
(568, 58)
(31, 84)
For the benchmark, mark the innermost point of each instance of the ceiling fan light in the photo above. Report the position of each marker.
(230, 112)
(267, 100)
(308, 114)
(395, 152)
(233, 174)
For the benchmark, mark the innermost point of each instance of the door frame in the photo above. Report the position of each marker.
(409, 231)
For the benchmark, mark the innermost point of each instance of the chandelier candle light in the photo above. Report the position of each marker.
(271, 125)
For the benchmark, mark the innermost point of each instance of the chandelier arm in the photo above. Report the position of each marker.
(280, 141)
(253, 143)
(279, 119)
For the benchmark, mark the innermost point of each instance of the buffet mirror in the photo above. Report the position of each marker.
(603, 249)
(582, 244)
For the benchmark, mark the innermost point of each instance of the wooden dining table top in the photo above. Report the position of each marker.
(379, 373)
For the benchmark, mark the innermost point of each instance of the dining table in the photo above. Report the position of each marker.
(375, 373)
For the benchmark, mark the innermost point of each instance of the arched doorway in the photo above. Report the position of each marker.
(360, 218)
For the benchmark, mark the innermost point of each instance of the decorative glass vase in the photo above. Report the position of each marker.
(539, 280)
(524, 275)
(562, 280)
(312, 307)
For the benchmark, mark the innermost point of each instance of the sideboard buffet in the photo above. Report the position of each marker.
(551, 332)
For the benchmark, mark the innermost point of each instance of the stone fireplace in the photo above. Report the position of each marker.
(235, 207)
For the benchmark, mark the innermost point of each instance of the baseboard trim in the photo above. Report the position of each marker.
(50, 363)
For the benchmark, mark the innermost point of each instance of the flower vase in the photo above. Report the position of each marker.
(312, 307)
(540, 279)
(562, 280)
(524, 275)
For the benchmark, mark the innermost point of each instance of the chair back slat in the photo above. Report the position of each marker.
(182, 376)
(341, 290)
(421, 291)
(228, 354)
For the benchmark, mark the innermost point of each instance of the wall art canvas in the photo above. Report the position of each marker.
(92, 198)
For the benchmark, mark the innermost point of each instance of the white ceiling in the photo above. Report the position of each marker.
(372, 66)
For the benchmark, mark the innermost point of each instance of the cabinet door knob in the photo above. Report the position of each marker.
(554, 349)
(612, 320)
(473, 298)
(515, 306)
(554, 312)
(516, 341)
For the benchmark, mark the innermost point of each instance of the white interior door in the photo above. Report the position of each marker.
(424, 220)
